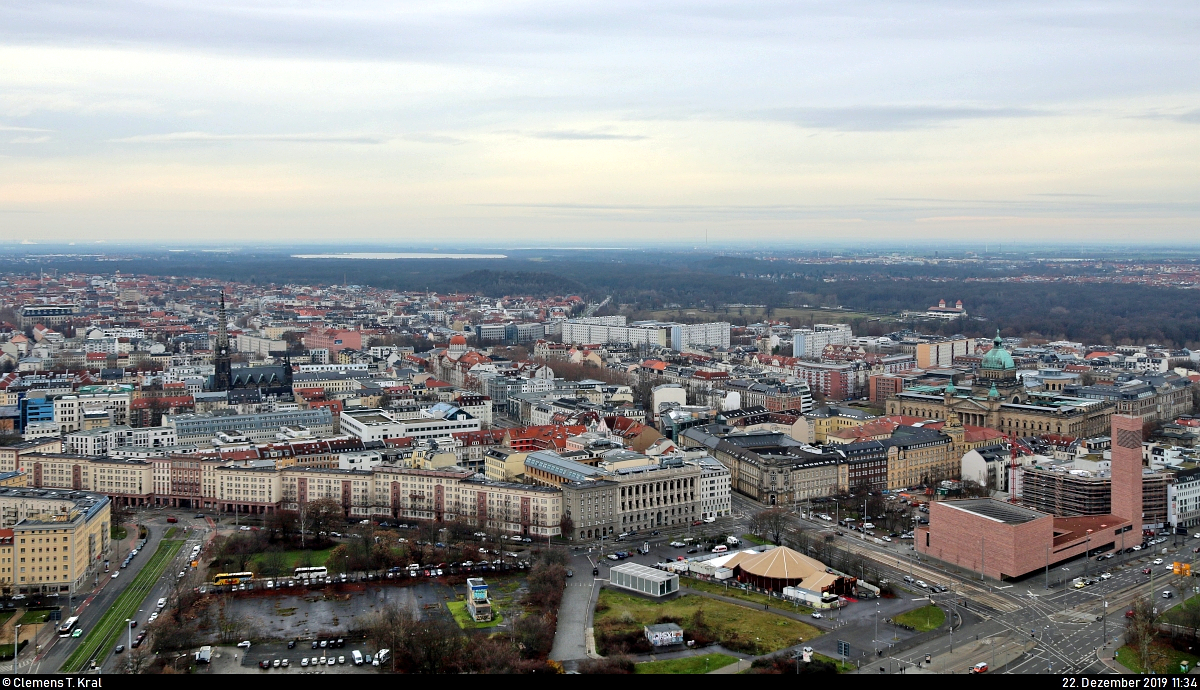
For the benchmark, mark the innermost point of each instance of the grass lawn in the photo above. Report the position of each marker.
(755, 539)
(1167, 661)
(169, 533)
(739, 593)
(293, 559)
(5, 616)
(99, 641)
(734, 626)
(923, 619)
(32, 617)
(462, 616)
(1176, 614)
(118, 532)
(687, 664)
(842, 668)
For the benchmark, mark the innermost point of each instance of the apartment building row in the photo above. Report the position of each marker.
(261, 487)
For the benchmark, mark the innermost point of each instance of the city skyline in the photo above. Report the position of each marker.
(596, 124)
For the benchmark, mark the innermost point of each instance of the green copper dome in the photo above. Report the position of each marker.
(950, 389)
(998, 357)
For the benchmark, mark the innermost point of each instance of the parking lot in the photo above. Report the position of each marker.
(235, 660)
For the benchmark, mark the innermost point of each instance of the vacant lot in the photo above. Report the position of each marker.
(738, 593)
(620, 618)
(689, 664)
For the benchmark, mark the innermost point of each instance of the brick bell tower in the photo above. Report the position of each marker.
(1127, 469)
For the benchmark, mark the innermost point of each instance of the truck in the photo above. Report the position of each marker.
(204, 656)
(732, 541)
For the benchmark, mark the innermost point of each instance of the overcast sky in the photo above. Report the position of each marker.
(599, 122)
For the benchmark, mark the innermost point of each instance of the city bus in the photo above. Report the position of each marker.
(67, 626)
(311, 573)
(232, 578)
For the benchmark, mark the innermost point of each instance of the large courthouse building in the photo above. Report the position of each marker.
(998, 400)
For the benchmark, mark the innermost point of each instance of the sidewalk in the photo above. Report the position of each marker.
(1107, 654)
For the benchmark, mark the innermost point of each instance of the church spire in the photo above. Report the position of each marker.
(222, 367)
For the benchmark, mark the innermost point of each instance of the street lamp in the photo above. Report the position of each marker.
(16, 646)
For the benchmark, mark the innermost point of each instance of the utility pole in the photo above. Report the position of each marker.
(1087, 555)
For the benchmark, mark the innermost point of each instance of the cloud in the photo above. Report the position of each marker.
(576, 135)
(1189, 117)
(29, 140)
(207, 137)
(887, 118)
(434, 139)
(12, 128)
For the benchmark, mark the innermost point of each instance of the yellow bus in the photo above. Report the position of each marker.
(232, 578)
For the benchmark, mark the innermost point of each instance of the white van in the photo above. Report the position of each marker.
(720, 548)
(358, 658)
(868, 525)
(732, 541)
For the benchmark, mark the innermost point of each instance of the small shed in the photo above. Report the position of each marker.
(643, 579)
(663, 634)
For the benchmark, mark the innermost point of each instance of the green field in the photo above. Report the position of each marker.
(292, 560)
(734, 626)
(458, 609)
(100, 640)
(756, 539)
(734, 592)
(923, 619)
(118, 532)
(687, 664)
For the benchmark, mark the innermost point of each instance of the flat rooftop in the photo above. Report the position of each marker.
(996, 510)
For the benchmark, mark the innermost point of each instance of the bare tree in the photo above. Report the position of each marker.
(770, 523)
(1140, 630)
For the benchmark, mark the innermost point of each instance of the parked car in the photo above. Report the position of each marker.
(817, 614)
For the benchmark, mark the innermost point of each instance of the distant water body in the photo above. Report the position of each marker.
(415, 255)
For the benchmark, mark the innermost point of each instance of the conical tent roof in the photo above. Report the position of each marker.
(782, 563)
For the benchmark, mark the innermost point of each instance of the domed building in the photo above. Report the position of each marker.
(997, 375)
(999, 400)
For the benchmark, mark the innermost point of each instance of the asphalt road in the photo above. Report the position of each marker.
(91, 606)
